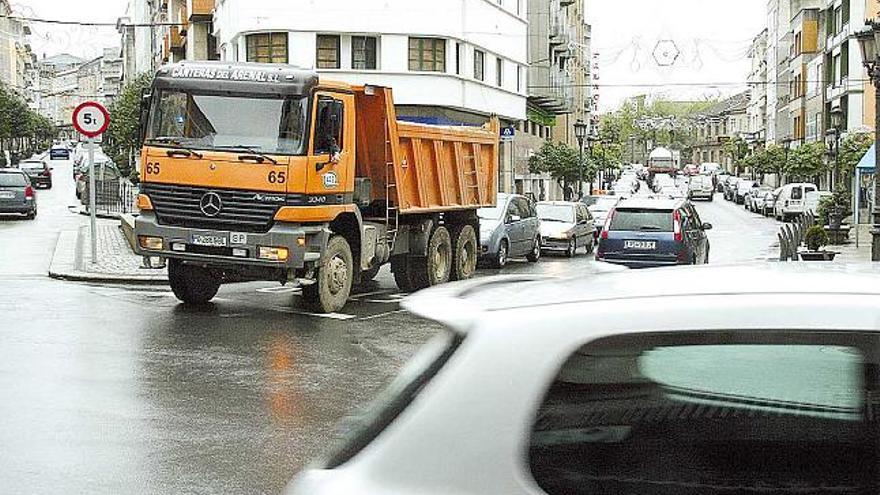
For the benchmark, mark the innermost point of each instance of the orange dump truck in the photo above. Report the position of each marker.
(266, 172)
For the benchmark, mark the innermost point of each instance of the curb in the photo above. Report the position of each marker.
(64, 266)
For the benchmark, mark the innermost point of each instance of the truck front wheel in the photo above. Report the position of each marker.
(192, 284)
(464, 259)
(332, 284)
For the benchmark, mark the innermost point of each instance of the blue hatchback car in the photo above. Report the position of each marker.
(642, 233)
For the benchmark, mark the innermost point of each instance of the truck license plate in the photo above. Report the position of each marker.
(210, 240)
(237, 239)
(643, 245)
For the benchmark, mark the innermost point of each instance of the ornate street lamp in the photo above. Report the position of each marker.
(580, 132)
(869, 42)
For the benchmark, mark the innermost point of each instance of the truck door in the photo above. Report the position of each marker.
(330, 173)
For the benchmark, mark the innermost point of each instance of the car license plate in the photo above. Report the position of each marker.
(210, 240)
(7, 194)
(642, 245)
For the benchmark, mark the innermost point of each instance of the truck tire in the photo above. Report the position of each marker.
(333, 280)
(436, 267)
(192, 284)
(464, 257)
(401, 267)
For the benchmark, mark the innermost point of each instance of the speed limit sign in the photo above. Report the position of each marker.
(91, 119)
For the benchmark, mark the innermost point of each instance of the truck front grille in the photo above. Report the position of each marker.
(239, 211)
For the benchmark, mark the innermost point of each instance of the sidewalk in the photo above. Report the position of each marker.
(849, 253)
(116, 261)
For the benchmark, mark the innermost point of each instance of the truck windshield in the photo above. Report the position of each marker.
(203, 121)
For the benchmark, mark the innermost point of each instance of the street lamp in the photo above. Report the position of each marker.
(836, 116)
(869, 43)
(580, 132)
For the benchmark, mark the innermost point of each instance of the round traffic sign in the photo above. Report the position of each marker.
(91, 119)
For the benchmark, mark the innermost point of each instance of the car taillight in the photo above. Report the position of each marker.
(29, 192)
(607, 226)
(676, 225)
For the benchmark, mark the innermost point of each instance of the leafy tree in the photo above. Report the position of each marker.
(737, 149)
(852, 149)
(769, 160)
(806, 161)
(123, 135)
(560, 161)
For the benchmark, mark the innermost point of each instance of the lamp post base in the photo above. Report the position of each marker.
(875, 243)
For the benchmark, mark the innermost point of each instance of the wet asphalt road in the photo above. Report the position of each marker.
(121, 390)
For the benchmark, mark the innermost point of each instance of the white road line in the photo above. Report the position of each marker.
(380, 315)
(355, 297)
(279, 290)
(331, 316)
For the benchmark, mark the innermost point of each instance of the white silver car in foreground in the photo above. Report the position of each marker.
(739, 379)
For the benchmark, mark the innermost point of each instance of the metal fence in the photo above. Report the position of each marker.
(791, 236)
(112, 196)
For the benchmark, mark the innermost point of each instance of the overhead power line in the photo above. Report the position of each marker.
(97, 24)
(687, 84)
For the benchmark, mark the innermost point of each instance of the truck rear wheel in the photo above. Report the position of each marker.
(333, 280)
(192, 284)
(464, 257)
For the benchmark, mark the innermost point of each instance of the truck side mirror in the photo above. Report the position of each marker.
(146, 102)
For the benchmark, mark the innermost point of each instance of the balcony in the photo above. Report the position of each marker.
(202, 10)
(559, 33)
(552, 90)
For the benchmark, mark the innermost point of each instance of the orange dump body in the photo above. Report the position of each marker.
(424, 168)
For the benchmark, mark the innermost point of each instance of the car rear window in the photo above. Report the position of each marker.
(642, 219)
(31, 166)
(363, 428)
(13, 180)
(707, 414)
(556, 213)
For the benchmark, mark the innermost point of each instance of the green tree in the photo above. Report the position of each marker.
(123, 135)
(769, 160)
(737, 149)
(560, 161)
(807, 161)
(852, 149)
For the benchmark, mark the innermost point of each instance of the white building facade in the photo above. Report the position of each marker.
(469, 56)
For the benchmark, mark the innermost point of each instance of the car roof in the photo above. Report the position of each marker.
(650, 204)
(602, 283)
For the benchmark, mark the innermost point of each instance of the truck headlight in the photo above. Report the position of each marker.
(273, 253)
(151, 243)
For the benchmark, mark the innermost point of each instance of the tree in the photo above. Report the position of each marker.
(560, 161)
(123, 135)
(769, 160)
(852, 149)
(807, 161)
(737, 149)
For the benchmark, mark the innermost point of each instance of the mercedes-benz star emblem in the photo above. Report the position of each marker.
(211, 204)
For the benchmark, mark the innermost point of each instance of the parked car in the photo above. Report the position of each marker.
(16, 193)
(599, 206)
(627, 405)
(754, 198)
(110, 174)
(720, 180)
(38, 171)
(790, 201)
(729, 184)
(701, 187)
(770, 202)
(741, 187)
(59, 153)
(812, 200)
(509, 230)
(662, 180)
(566, 227)
(654, 232)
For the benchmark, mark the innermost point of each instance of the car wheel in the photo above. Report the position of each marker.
(501, 257)
(572, 248)
(535, 255)
(591, 246)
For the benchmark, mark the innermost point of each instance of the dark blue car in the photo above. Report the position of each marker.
(654, 232)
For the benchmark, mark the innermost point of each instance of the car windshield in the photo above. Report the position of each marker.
(215, 122)
(12, 180)
(642, 219)
(556, 213)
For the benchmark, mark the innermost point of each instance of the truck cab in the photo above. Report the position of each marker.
(265, 172)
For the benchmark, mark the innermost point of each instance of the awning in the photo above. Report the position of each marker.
(866, 164)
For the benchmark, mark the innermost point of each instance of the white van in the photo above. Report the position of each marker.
(792, 200)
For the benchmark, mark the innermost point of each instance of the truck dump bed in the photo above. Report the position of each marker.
(423, 168)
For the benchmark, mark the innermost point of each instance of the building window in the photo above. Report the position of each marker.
(499, 72)
(328, 51)
(458, 49)
(427, 54)
(270, 48)
(837, 74)
(363, 52)
(838, 20)
(479, 65)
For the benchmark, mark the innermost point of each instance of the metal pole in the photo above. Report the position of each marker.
(875, 231)
(580, 168)
(93, 221)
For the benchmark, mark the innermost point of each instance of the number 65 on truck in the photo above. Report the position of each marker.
(267, 172)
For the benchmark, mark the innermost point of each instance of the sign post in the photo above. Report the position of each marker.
(91, 120)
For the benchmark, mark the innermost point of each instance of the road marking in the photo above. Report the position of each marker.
(380, 315)
(362, 295)
(331, 316)
(279, 290)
